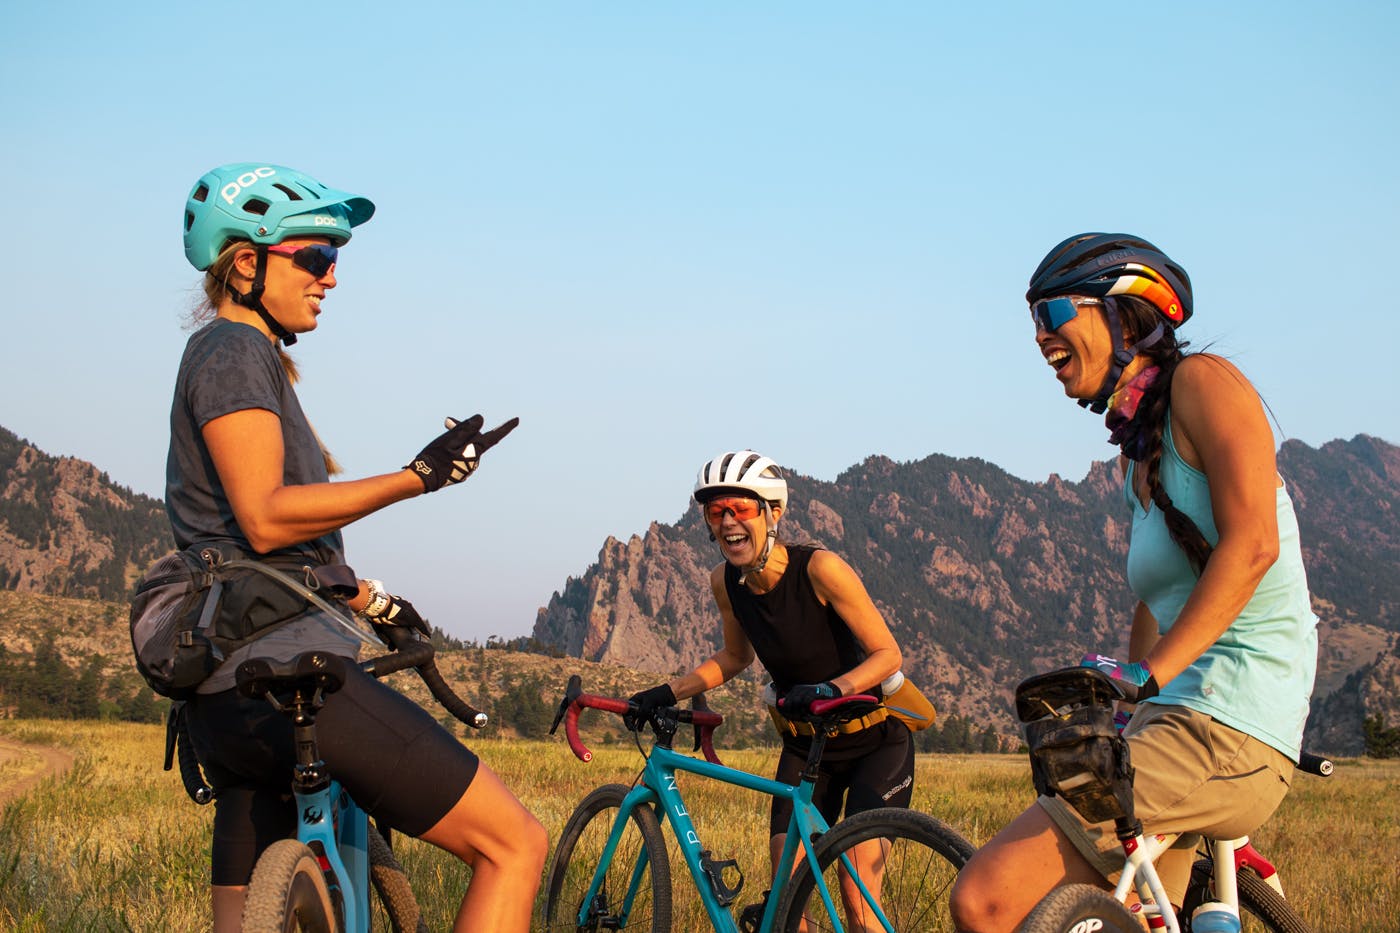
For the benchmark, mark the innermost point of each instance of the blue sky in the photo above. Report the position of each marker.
(658, 231)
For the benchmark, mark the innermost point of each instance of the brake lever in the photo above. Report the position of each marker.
(698, 702)
(571, 693)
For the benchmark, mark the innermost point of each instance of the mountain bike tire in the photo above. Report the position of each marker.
(577, 856)
(921, 859)
(391, 884)
(1262, 909)
(1076, 907)
(288, 892)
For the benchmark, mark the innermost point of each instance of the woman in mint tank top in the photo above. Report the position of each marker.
(1222, 641)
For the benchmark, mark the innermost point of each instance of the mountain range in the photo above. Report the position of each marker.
(984, 578)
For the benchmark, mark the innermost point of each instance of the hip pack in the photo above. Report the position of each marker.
(907, 702)
(192, 608)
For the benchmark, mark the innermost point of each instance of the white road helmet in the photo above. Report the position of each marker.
(742, 472)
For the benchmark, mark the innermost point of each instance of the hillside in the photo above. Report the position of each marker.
(72, 655)
(67, 530)
(986, 578)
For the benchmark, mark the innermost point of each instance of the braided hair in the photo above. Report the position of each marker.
(1139, 318)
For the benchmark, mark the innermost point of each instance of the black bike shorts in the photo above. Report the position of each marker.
(396, 761)
(865, 770)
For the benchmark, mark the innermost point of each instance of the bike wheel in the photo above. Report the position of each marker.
(391, 884)
(1080, 907)
(580, 850)
(288, 892)
(1261, 907)
(918, 856)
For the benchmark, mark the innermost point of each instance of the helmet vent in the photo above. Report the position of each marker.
(288, 192)
(189, 220)
(201, 193)
(256, 206)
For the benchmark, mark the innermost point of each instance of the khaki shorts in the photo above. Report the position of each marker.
(1196, 777)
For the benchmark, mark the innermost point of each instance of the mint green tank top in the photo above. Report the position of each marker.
(1258, 676)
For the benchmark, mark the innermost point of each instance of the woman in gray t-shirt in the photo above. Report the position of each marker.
(245, 469)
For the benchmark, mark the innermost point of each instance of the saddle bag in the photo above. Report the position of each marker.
(194, 607)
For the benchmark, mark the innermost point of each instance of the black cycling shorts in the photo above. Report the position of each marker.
(396, 761)
(864, 770)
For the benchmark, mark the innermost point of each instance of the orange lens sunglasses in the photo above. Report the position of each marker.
(744, 509)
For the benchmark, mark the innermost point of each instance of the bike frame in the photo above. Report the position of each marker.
(657, 788)
(336, 830)
(1140, 873)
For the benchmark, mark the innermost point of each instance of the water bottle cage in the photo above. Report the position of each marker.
(714, 870)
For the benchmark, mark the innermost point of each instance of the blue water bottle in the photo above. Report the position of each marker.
(1215, 917)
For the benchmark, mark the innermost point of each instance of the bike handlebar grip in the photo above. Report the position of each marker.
(1316, 764)
(414, 655)
(580, 750)
(606, 704)
(822, 707)
(707, 745)
(448, 698)
(190, 775)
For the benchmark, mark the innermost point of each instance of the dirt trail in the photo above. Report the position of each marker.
(55, 762)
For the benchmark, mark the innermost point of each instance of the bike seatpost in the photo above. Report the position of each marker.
(814, 756)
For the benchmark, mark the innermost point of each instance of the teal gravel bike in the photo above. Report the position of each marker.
(890, 868)
(320, 881)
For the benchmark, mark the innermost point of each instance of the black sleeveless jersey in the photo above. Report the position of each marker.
(799, 640)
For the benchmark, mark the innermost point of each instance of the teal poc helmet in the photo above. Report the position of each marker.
(264, 204)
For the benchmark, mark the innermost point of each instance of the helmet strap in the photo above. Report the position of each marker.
(769, 540)
(1121, 356)
(253, 299)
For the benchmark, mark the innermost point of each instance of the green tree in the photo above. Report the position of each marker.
(1381, 742)
(86, 697)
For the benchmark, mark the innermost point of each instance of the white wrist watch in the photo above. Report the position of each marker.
(378, 600)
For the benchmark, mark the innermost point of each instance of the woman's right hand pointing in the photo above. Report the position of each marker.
(455, 454)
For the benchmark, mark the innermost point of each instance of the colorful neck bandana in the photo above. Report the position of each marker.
(1124, 428)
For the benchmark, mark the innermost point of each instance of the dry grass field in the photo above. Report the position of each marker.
(114, 844)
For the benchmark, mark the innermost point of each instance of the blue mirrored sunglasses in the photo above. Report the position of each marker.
(316, 258)
(1050, 313)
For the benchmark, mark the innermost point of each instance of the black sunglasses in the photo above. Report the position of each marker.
(315, 258)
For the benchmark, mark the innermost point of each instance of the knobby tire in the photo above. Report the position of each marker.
(580, 850)
(391, 884)
(1261, 907)
(921, 856)
(288, 892)
(1078, 908)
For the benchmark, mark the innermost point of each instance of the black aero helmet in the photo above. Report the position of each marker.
(1101, 265)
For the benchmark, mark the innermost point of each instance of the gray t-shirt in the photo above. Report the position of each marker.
(230, 367)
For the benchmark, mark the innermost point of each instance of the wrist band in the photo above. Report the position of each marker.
(378, 600)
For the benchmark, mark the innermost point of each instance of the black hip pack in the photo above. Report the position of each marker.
(192, 608)
(1076, 751)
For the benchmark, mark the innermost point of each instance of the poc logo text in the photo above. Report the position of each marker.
(230, 191)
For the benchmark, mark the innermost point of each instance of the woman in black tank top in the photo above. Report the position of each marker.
(804, 613)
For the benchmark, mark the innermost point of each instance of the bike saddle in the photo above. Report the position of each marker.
(839, 710)
(314, 670)
(1059, 692)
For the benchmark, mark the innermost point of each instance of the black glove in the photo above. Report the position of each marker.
(798, 701)
(398, 614)
(454, 455)
(647, 700)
